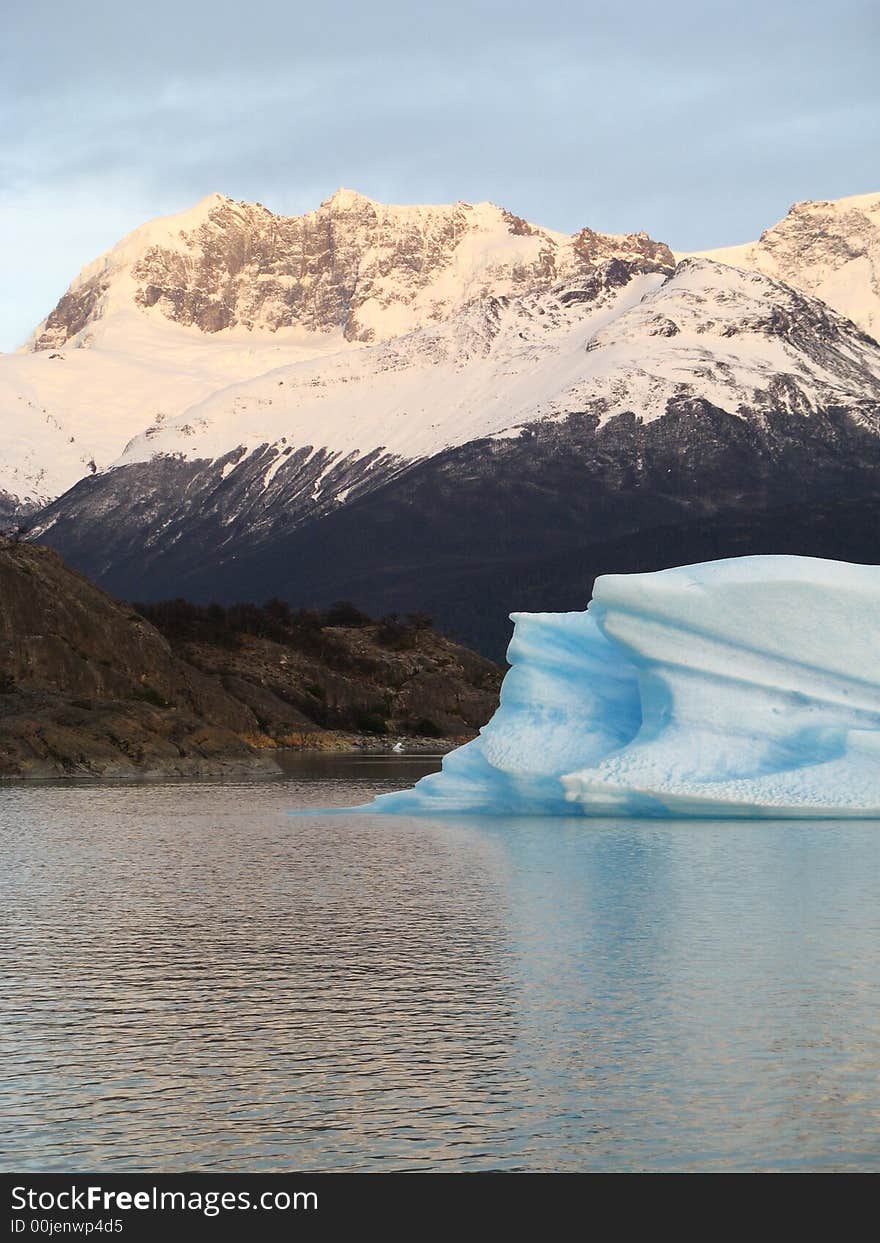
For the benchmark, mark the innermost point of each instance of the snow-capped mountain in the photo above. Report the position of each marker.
(354, 266)
(186, 305)
(630, 397)
(240, 393)
(629, 339)
(828, 249)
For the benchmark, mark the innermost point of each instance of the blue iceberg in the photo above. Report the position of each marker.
(746, 687)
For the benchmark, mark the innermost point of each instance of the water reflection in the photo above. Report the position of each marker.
(196, 980)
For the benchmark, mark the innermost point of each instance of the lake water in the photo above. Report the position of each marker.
(193, 979)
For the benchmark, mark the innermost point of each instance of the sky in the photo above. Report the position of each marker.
(698, 121)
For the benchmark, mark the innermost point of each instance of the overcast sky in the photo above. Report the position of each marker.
(698, 121)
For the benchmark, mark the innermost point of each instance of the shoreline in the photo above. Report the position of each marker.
(268, 762)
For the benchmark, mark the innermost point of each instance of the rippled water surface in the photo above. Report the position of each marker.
(194, 979)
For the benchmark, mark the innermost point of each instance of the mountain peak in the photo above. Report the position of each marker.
(827, 248)
(345, 198)
(356, 267)
(850, 202)
(370, 271)
(214, 199)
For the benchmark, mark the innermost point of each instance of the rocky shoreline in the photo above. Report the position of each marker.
(199, 764)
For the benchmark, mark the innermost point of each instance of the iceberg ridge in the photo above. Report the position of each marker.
(745, 687)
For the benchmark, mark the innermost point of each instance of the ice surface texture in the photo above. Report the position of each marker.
(746, 687)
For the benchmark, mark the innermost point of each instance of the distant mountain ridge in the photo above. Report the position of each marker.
(187, 305)
(353, 265)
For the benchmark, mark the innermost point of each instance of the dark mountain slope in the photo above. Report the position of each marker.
(501, 525)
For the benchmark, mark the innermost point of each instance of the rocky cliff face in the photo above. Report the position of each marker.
(89, 686)
(354, 265)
